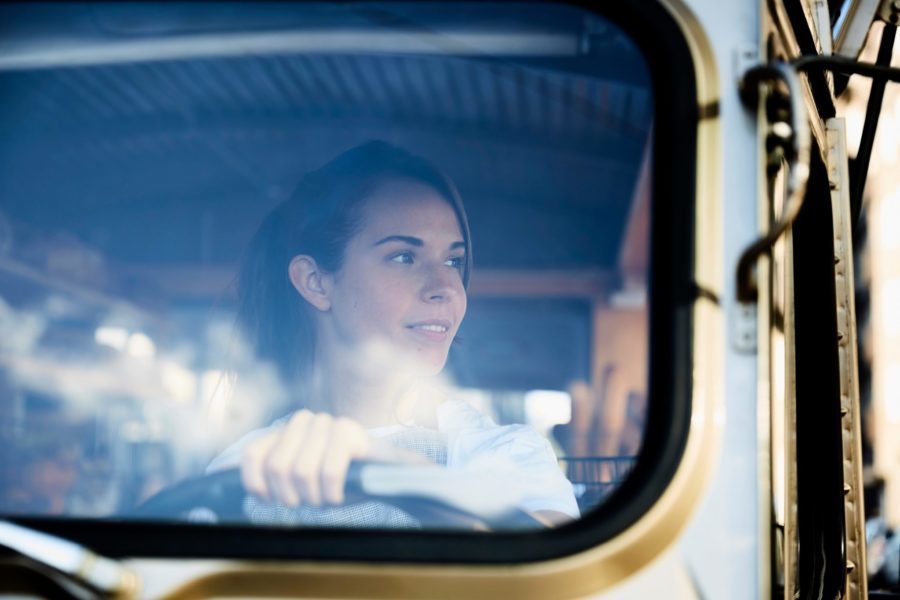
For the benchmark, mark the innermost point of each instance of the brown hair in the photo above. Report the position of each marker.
(318, 220)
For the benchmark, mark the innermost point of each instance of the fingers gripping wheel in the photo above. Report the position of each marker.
(219, 498)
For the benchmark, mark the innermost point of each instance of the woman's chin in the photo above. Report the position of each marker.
(404, 360)
(429, 369)
(425, 362)
(424, 365)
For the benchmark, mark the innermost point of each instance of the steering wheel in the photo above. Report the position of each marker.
(219, 497)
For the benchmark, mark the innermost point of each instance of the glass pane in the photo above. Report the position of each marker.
(279, 237)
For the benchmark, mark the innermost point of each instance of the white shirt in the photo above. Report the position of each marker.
(472, 439)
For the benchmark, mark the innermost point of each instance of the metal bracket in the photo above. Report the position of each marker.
(744, 327)
(889, 12)
(787, 141)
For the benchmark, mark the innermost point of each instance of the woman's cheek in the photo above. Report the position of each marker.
(387, 302)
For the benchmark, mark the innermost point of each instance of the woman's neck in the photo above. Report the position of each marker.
(372, 401)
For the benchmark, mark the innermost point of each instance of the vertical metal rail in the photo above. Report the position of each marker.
(791, 537)
(788, 144)
(851, 435)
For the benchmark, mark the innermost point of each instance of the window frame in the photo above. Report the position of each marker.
(672, 294)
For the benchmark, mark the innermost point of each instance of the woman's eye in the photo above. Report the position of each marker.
(455, 261)
(404, 258)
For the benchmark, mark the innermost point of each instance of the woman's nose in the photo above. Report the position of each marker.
(442, 285)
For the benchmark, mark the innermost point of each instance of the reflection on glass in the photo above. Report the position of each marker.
(427, 255)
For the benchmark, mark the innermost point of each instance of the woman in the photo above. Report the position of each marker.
(354, 289)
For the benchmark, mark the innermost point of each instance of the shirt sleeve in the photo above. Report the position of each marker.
(474, 437)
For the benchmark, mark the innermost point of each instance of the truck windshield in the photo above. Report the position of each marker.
(249, 253)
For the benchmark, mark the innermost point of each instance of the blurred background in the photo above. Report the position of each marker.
(878, 309)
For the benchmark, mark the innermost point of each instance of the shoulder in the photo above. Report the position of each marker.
(472, 434)
(473, 438)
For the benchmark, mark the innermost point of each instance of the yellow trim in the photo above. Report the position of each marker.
(765, 369)
(585, 573)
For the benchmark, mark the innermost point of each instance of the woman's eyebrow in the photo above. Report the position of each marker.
(407, 239)
(413, 241)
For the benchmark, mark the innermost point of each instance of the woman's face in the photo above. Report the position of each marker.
(400, 287)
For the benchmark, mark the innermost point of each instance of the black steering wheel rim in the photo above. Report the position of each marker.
(220, 495)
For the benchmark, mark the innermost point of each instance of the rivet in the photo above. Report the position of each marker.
(782, 130)
(850, 567)
(847, 489)
(844, 411)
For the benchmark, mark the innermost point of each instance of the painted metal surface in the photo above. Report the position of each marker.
(720, 547)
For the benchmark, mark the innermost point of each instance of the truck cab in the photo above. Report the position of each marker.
(665, 233)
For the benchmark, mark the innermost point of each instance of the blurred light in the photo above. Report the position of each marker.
(546, 408)
(140, 346)
(633, 296)
(114, 337)
(180, 383)
(885, 152)
(888, 219)
(890, 298)
(461, 42)
(892, 397)
(215, 389)
(855, 116)
(777, 439)
(134, 432)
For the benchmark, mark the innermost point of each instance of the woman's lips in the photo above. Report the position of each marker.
(437, 330)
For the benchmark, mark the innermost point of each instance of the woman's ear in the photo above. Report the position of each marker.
(312, 283)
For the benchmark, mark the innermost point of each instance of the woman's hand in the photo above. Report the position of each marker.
(305, 461)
